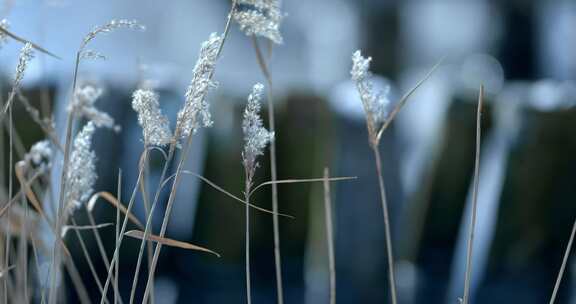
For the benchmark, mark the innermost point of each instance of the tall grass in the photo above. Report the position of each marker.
(378, 119)
(257, 19)
(476, 181)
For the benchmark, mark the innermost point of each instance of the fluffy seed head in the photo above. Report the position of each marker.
(261, 18)
(196, 113)
(155, 125)
(110, 27)
(83, 105)
(256, 137)
(40, 155)
(81, 172)
(26, 54)
(375, 104)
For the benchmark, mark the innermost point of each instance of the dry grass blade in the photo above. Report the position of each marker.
(305, 180)
(215, 186)
(404, 99)
(22, 40)
(34, 201)
(137, 234)
(564, 262)
(19, 170)
(84, 227)
(107, 196)
(17, 196)
(465, 298)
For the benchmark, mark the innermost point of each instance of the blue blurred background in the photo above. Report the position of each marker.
(522, 51)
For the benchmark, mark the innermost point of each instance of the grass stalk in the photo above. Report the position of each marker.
(116, 254)
(164, 226)
(10, 188)
(273, 170)
(117, 296)
(177, 176)
(147, 212)
(149, 216)
(476, 181)
(387, 234)
(247, 242)
(329, 236)
(98, 238)
(60, 210)
(564, 262)
(87, 256)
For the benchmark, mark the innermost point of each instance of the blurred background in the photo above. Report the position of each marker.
(522, 51)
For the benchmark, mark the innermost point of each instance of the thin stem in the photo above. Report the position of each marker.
(387, 234)
(150, 248)
(87, 256)
(99, 242)
(179, 168)
(247, 244)
(465, 299)
(117, 295)
(23, 253)
(59, 214)
(10, 185)
(56, 250)
(329, 236)
(273, 171)
(116, 255)
(167, 213)
(564, 262)
(148, 226)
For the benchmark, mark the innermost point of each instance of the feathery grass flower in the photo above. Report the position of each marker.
(375, 104)
(261, 18)
(40, 155)
(83, 106)
(111, 26)
(81, 174)
(26, 54)
(155, 125)
(196, 113)
(256, 137)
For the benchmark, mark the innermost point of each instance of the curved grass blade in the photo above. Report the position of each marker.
(137, 234)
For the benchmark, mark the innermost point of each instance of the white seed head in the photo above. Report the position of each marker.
(375, 104)
(83, 105)
(81, 171)
(3, 36)
(360, 66)
(196, 113)
(256, 137)
(26, 54)
(109, 27)
(261, 18)
(40, 155)
(155, 125)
